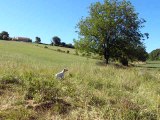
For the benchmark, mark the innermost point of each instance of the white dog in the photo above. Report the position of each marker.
(60, 75)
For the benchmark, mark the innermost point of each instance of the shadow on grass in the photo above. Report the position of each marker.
(149, 67)
(158, 63)
(116, 65)
(101, 63)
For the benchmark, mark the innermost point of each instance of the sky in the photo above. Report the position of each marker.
(49, 18)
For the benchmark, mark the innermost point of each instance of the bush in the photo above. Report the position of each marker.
(67, 51)
(59, 50)
(45, 47)
(69, 46)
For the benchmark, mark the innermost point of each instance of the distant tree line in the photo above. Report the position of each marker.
(4, 35)
(56, 41)
(155, 55)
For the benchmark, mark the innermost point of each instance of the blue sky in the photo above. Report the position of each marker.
(49, 18)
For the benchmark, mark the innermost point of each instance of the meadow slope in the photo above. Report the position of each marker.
(29, 90)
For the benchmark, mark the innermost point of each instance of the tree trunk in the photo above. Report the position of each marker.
(124, 61)
(106, 50)
(107, 60)
(106, 55)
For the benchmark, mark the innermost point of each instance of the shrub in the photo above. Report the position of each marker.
(59, 50)
(45, 47)
(67, 51)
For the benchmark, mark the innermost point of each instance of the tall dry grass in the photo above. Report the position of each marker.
(29, 90)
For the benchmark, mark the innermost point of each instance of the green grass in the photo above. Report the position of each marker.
(28, 89)
(151, 64)
(31, 53)
(55, 48)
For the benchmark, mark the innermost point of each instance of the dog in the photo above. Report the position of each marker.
(60, 75)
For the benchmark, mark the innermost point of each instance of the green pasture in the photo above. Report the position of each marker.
(151, 65)
(89, 91)
(21, 52)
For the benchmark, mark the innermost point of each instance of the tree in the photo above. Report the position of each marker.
(141, 54)
(0, 36)
(69, 45)
(63, 44)
(4, 35)
(37, 40)
(155, 55)
(56, 41)
(112, 29)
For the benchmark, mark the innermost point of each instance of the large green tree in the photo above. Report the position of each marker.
(112, 29)
(4, 35)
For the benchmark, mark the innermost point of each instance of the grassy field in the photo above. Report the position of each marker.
(29, 90)
(150, 65)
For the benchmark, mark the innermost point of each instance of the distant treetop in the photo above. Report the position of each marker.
(155, 55)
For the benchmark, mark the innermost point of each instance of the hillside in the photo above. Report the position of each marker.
(37, 53)
(29, 90)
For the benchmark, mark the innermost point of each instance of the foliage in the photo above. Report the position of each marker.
(155, 55)
(56, 41)
(69, 45)
(112, 29)
(37, 40)
(67, 51)
(141, 54)
(63, 44)
(4, 35)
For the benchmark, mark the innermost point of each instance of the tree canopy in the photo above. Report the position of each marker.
(4, 35)
(155, 55)
(56, 41)
(37, 40)
(112, 29)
